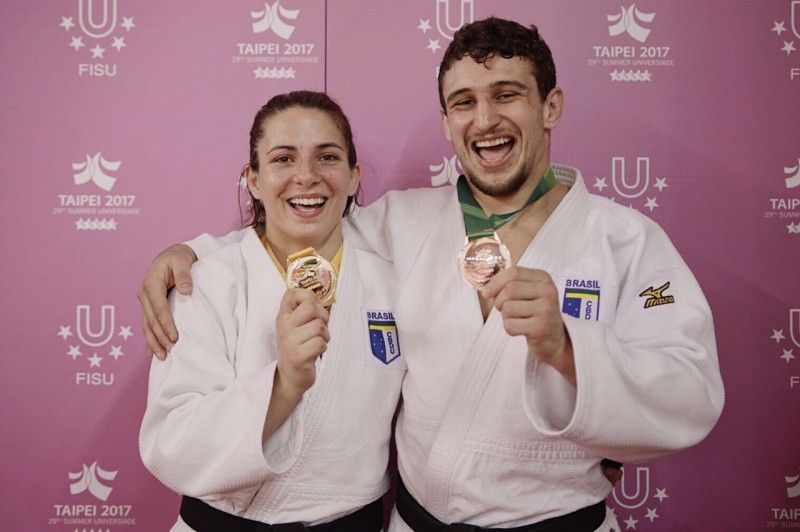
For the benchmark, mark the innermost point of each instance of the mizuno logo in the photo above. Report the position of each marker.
(656, 296)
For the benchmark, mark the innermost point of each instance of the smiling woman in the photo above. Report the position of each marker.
(245, 418)
(302, 178)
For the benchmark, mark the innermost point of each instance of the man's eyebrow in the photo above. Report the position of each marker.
(500, 83)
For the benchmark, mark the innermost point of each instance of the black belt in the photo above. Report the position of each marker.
(204, 518)
(415, 516)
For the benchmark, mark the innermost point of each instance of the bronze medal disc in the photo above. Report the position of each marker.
(314, 273)
(482, 259)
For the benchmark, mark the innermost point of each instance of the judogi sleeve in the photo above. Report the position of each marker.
(649, 383)
(202, 429)
(206, 244)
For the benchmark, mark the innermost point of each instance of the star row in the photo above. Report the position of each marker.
(94, 360)
(630, 75)
(66, 331)
(67, 24)
(96, 225)
(98, 51)
(272, 73)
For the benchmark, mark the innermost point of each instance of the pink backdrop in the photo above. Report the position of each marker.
(124, 127)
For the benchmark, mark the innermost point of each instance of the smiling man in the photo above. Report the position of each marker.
(531, 352)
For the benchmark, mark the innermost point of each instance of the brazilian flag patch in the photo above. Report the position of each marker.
(383, 338)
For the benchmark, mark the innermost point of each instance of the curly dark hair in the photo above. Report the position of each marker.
(256, 217)
(483, 39)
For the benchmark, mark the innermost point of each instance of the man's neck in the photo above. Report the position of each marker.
(513, 202)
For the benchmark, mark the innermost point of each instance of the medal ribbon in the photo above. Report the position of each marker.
(475, 220)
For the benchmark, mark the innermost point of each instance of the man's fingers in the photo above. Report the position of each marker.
(515, 274)
(158, 343)
(183, 282)
(162, 324)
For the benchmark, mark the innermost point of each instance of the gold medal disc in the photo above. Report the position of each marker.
(482, 259)
(314, 273)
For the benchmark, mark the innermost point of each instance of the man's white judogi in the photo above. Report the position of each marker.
(490, 437)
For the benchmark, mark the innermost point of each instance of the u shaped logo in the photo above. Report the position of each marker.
(443, 17)
(94, 22)
(632, 493)
(95, 337)
(626, 187)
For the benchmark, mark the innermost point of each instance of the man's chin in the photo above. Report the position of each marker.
(498, 187)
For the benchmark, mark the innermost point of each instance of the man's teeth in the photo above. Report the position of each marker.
(490, 143)
(307, 202)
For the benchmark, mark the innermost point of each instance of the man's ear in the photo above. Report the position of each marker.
(445, 124)
(553, 108)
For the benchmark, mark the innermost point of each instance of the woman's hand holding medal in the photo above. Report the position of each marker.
(528, 301)
(302, 336)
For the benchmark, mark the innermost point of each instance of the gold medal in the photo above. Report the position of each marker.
(482, 259)
(306, 269)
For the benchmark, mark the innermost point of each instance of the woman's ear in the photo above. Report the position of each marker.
(355, 178)
(252, 181)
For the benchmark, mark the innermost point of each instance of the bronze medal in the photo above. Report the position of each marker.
(312, 272)
(482, 259)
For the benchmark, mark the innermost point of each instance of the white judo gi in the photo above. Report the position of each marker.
(488, 436)
(202, 430)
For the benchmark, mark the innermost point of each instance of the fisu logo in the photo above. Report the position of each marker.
(272, 17)
(98, 19)
(94, 169)
(444, 16)
(101, 336)
(461, 12)
(94, 24)
(631, 185)
(632, 492)
(94, 333)
(628, 20)
(787, 353)
(619, 177)
(91, 478)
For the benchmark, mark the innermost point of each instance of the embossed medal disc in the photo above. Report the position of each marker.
(314, 273)
(482, 259)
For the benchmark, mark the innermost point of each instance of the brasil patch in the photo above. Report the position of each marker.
(383, 338)
(582, 303)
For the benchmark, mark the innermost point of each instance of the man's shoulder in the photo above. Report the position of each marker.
(405, 206)
(416, 198)
(227, 262)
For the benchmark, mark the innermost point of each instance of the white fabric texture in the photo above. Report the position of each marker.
(202, 431)
(488, 436)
